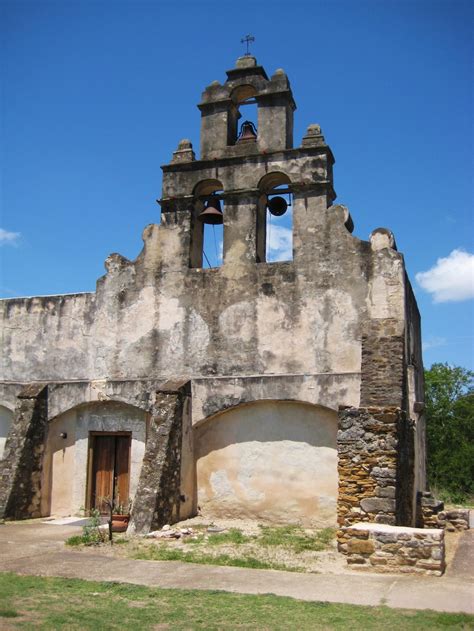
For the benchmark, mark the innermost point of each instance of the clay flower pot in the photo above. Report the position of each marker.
(120, 523)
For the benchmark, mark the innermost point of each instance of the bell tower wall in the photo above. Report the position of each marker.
(165, 315)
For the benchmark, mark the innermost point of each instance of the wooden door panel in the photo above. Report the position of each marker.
(110, 476)
(122, 457)
(103, 471)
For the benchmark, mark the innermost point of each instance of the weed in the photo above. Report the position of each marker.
(91, 533)
(8, 613)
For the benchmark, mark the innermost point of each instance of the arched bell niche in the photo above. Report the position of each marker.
(244, 108)
(275, 219)
(207, 229)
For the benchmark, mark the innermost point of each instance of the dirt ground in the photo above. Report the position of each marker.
(327, 561)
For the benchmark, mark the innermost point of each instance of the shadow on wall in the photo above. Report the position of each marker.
(270, 460)
(6, 418)
(268, 421)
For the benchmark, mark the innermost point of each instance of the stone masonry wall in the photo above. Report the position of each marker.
(157, 501)
(384, 548)
(367, 443)
(382, 379)
(20, 489)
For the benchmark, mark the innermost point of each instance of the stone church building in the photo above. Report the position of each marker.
(287, 391)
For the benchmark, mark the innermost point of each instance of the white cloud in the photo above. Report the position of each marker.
(451, 279)
(8, 237)
(434, 342)
(279, 244)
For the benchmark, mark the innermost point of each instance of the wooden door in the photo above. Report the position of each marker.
(110, 474)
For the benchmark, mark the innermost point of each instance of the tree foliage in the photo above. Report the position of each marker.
(450, 429)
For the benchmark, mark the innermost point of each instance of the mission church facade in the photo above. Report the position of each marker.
(285, 391)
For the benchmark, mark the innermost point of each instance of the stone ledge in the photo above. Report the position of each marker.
(386, 528)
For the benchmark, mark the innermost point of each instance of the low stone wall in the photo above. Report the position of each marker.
(385, 548)
(456, 519)
(434, 515)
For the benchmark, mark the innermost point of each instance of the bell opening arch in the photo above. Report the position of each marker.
(207, 229)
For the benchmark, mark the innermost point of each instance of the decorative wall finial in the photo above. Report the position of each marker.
(246, 40)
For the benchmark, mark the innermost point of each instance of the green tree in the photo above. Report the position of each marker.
(450, 430)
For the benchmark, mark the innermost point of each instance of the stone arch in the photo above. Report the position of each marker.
(243, 99)
(270, 186)
(274, 461)
(67, 397)
(68, 451)
(6, 419)
(272, 180)
(200, 232)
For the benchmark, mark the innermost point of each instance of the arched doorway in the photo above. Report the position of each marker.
(275, 461)
(92, 451)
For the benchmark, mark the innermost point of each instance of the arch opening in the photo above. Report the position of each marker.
(274, 461)
(87, 447)
(244, 108)
(275, 219)
(206, 248)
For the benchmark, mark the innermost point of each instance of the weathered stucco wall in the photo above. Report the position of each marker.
(300, 317)
(65, 469)
(274, 461)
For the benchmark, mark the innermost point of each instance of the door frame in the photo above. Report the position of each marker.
(90, 462)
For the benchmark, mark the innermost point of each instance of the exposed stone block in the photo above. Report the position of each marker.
(360, 546)
(378, 504)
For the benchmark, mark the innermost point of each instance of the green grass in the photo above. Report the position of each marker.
(231, 536)
(295, 538)
(162, 552)
(75, 605)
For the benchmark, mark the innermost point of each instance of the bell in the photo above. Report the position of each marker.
(212, 214)
(277, 206)
(248, 132)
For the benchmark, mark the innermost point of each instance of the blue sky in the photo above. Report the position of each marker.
(96, 95)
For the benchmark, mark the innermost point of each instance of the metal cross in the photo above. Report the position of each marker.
(246, 40)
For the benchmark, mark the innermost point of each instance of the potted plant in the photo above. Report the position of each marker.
(119, 514)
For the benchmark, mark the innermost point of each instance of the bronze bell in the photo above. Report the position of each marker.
(212, 213)
(277, 206)
(248, 132)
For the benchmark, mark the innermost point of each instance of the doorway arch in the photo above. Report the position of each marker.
(69, 455)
